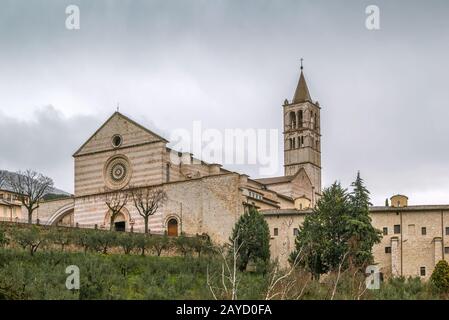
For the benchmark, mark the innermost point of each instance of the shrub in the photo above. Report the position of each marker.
(59, 236)
(30, 238)
(3, 238)
(183, 245)
(142, 242)
(82, 239)
(101, 241)
(440, 276)
(128, 241)
(159, 243)
(252, 235)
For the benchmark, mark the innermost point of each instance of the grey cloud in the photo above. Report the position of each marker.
(231, 64)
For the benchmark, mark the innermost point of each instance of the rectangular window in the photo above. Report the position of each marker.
(295, 231)
(447, 231)
(422, 271)
(397, 228)
(385, 231)
(446, 250)
(276, 231)
(387, 249)
(423, 231)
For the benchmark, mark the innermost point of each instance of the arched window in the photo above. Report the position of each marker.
(318, 145)
(172, 227)
(167, 172)
(312, 120)
(294, 143)
(292, 120)
(315, 121)
(302, 140)
(300, 118)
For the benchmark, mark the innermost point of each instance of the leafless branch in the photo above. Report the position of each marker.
(115, 201)
(30, 188)
(339, 274)
(276, 279)
(147, 201)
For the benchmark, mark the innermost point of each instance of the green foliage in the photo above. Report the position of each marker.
(440, 276)
(126, 276)
(60, 236)
(159, 244)
(128, 241)
(30, 238)
(101, 241)
(3, 238)
(252, 236)
(322, 240)
(404, 289)
(183, 245)
(43, 276)
(362, 235)
(339, 233)
(201, 245)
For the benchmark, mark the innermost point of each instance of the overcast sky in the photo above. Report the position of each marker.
(230, 64)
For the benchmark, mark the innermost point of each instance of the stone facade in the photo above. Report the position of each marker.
(10, 206)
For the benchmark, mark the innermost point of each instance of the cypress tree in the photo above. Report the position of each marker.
(253, 237)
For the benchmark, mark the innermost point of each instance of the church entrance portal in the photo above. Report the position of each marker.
(120, 226)
(172, 228)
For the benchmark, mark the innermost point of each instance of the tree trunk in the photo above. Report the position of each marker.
(146, 224)
(30, 217)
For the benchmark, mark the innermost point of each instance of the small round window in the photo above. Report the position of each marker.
(117, 141)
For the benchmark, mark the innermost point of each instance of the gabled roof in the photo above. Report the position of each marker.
(108, 120)
(282, 179)
(275, 180)
(302, 91)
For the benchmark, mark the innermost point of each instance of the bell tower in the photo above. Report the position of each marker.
(302, 138)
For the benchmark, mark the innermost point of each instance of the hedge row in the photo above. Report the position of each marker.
(33, 238)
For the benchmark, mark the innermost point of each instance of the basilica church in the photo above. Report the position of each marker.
(205, 198)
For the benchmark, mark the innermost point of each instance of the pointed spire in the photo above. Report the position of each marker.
(302, 91)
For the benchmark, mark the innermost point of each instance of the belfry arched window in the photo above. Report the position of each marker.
(300, 118)
(292, 120)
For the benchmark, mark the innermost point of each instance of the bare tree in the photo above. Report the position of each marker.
(229, 279)
(147, 201)
(340, 265)
(282, 282)
(30, 188)
(115, 202)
